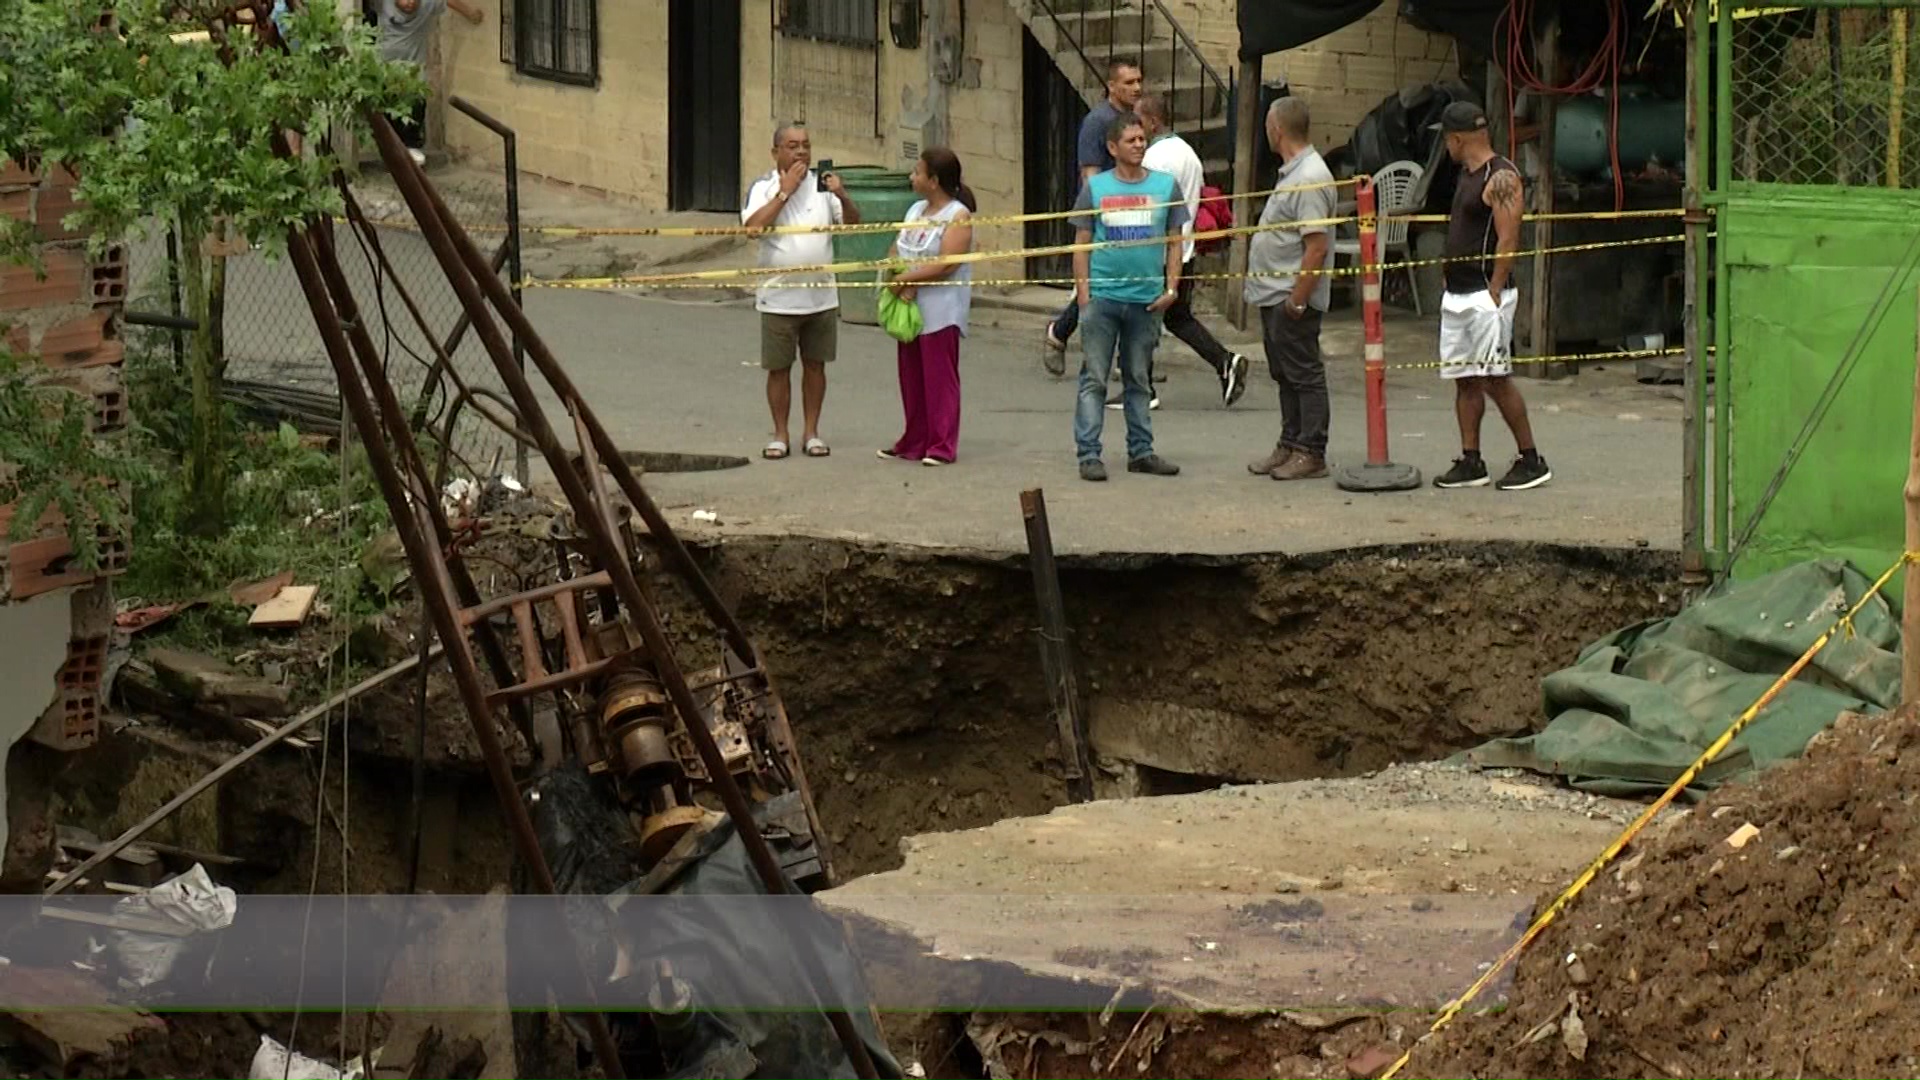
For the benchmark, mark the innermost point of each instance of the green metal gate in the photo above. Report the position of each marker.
(1814, 148)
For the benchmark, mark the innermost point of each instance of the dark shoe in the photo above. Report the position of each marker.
(1466, 473)
(1054, 354)
(1266, 465)
(1301, 466)
(1093, 469)
(1233, 382)
(1530, 471)
(1153, 465)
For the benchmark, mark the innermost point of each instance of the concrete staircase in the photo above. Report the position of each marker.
(1083, 35)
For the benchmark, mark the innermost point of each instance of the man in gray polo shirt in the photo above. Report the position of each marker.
(405, 28)
(1284, 283)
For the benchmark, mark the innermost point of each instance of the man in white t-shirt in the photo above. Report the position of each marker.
(799, 312)
(1167, 152)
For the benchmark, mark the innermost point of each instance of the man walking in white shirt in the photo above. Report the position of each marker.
(1173, 155)
(799, 312)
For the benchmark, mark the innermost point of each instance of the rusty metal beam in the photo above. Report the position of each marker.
(467, 270)
(436, 588)
(427, 498)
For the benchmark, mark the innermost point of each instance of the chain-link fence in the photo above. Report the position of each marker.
(277, 366)
(1824, 97)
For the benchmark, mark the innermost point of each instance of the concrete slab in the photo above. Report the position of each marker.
(1383, 891)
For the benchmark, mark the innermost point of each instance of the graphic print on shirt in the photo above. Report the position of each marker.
(1127, 217)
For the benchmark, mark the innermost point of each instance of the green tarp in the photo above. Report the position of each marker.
(1641, 704)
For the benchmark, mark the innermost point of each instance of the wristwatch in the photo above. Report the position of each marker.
(781, 194)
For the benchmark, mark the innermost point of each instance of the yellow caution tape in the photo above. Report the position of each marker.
(962, 259)
(743, 277)
(979, 221)
(1566, 358)
(1613, 850)
(1582, 215)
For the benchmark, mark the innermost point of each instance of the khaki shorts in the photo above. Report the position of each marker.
(814, 337)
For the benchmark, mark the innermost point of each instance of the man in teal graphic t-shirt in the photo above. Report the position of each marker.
(1122, 290)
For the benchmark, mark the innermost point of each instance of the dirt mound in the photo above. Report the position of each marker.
(1792, 955)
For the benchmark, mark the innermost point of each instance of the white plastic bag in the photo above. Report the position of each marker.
(190, 901)
(270, 1063)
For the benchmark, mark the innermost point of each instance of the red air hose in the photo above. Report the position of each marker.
(1603, 69)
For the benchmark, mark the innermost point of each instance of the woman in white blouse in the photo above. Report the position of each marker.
(930, 363)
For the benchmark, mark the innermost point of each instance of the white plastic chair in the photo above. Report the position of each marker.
(1394, 187)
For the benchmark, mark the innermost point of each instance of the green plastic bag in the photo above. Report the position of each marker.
(899, 318)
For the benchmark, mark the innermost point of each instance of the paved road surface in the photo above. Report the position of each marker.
(669, 375)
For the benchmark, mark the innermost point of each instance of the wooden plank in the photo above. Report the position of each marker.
(1540, 335)
(288, 609)
(1249, 131)
(1056, 656)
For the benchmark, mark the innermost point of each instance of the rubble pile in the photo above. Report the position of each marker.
(1773, 931)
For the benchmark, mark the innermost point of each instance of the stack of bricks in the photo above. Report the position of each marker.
(67, 323)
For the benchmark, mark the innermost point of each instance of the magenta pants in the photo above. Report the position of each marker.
(930, 395)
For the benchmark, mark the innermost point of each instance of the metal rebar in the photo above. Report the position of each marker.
(436, 592)
(262, 745)
(465, 267)
(427, 502)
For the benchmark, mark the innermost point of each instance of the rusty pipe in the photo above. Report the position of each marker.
(436, 593)
(465, 268)
(427, 500)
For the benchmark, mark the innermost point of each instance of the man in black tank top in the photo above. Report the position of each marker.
(1476, 314)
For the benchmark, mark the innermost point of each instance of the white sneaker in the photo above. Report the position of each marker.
(419, 157)
(1117, 404)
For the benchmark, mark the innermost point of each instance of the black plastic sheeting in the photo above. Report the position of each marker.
(719, 952)
(1400, 128)
(1271, 26)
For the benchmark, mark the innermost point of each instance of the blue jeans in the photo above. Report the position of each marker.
(1109, 328)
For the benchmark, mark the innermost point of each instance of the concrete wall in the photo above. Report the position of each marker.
(1343, 75)
(614, 138)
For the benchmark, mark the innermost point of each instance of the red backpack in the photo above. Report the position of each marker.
(1215, 213)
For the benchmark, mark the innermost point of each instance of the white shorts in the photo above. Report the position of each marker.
(1476, 335)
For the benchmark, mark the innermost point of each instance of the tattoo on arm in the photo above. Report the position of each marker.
(1503, 191)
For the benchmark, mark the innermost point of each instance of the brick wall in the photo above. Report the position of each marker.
(69, 321)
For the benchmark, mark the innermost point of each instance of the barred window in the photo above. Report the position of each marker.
(554, 39)
(849, 22)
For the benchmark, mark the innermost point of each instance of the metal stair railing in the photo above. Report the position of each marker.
(1148, 15)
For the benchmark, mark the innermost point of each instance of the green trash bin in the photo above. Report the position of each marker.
(881, 195)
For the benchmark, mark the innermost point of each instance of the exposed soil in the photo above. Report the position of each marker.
(1794, 955)
(214, 1044)
(915, 688)
(1158, 1043)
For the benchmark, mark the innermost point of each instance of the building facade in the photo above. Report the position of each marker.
(672, 103)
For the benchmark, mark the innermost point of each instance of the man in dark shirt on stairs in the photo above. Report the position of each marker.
(1092, 157)
(1476, 314)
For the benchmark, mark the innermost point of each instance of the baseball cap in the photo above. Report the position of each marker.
(1461, 116)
